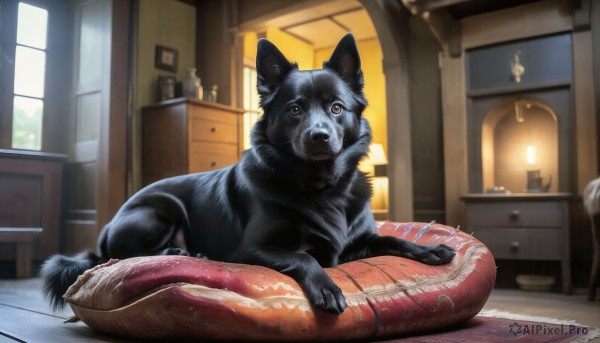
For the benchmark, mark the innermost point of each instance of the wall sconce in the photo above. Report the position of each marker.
(520, 107)
(379, 202)
(519, 112)
(516, 68)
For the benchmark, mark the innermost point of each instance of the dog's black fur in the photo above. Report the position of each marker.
(295, 203)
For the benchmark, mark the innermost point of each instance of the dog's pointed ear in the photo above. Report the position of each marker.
(345, 61)
(271, 67)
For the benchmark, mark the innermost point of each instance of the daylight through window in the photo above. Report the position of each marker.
(30, 70)
(251, 104)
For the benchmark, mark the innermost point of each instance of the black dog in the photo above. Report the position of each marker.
(295, 203)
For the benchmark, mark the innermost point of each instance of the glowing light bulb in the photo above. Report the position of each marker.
(531, 155)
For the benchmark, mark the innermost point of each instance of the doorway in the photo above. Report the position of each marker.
(309, 40)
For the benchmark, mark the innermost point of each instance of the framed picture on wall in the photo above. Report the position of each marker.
(165, 58)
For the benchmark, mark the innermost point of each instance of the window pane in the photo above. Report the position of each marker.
(254, 102)
(32, 26)
(30, 66)
(27, 123)
(246, 80)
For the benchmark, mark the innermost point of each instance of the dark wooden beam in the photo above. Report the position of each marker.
(446, 29)
(190, 2)
(417, 7)
(581, 16)
(595, 29)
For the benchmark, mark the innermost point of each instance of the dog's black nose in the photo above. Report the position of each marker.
(319, 135)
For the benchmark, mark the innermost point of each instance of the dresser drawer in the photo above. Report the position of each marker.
(211, 156)
(543, 214)
(213, 131)
(522, 244)
(212, 114)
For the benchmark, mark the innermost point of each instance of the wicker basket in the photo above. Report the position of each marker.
(535, 283)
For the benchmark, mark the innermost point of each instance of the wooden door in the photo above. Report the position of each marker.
(96, 175)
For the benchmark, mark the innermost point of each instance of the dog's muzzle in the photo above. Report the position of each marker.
(318, 143)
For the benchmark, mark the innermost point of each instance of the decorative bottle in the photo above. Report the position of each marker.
(191, 85)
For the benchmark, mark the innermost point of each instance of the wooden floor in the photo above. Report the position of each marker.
(26, 317)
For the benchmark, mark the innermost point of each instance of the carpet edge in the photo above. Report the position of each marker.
(593, 332)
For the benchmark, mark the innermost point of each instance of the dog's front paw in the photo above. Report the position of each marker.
(436, 254)
(325, 294)
(201, 255)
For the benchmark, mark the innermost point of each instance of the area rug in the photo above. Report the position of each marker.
(499, 326)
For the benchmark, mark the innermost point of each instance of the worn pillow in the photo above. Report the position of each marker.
(168, 297)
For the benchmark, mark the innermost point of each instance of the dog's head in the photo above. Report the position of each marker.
(316, 113)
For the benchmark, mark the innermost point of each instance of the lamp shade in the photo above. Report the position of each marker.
(377, 155)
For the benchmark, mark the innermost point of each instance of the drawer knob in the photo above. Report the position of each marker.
(213, 164)
(514, 214)
(213, 129)
(514, 246)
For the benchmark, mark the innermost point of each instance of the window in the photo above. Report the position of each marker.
(36, 74)
(251, 104)
(30, 70)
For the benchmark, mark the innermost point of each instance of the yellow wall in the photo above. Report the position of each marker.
(250, 42)
(371, 61)
(292, 48)
(309, 58)
(371, 58)
(177, 29)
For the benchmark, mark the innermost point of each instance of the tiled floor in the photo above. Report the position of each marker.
(26, 317)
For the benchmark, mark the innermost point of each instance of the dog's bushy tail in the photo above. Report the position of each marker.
(59, 272)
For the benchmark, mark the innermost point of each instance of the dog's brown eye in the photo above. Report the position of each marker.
(336, 108)
(294, 111)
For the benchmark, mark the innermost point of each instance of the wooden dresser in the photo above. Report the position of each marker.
(530, 226)
(182, 136)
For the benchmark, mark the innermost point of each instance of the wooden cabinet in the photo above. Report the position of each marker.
(523, 227)
(30, 199)
(546, 60)
(183, 136)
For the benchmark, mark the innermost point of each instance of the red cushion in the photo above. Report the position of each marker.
(184, 297)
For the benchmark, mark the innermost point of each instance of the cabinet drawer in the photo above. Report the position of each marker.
(211, 156)
(546, 214)
(213, 131)
(522, 244)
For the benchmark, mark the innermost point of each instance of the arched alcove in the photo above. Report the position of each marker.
(518, 136)
(390, 20)
(492, 125)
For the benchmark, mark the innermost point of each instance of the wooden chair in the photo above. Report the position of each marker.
(591, 201)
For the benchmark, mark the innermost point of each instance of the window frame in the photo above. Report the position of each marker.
(8, 46)
(251, 115)
(58, 72)
(43, 51)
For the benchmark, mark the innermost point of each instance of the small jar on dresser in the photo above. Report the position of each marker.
(527, 226)
(185, 135)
